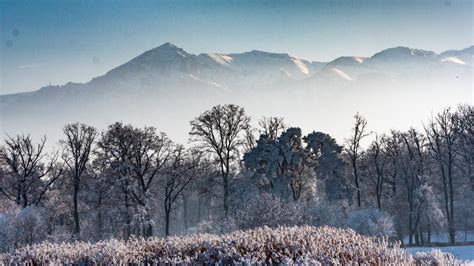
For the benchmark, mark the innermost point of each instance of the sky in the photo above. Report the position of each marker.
(53, 42)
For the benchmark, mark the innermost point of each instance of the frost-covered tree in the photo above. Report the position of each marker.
(325, 157)
(135, 157)
(282, 166)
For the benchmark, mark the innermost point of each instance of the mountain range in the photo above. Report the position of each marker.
(166, 87)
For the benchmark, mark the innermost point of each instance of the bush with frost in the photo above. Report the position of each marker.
(20, 227)
(371, 222)
(269, 210)
(282, 245)
(213, 226)
(435, 257)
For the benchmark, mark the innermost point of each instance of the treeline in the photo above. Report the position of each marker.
(127, 181)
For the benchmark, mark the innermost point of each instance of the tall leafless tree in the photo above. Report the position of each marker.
(219, 131)
(443, 133)
(376, 155)
(411, 169)
(354, 150)
(466, 143)
(182, 169)
(78, 142)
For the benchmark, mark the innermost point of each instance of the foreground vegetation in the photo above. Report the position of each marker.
(282, 245)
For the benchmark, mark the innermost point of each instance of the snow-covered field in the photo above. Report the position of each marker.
(465, 253)
(443, 237)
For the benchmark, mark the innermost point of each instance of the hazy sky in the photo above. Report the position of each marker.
(60, 41)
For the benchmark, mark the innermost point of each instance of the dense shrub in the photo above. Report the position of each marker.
(269, 210)
(287, 245)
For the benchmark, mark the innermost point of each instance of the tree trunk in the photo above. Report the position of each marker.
(451, 225)
(185, 211)
(100, 223)
(452, 234)
(410, 224)
(428, 237)
(128, 220)
(226, 195)
(379, 205)
(148, 232)
(356, 177)
(167, 221)
(77, 228)
(25, 199)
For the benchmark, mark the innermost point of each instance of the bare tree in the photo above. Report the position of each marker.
(354, 150)
(377, 158)
(181, 170)
(150, 152)
(272, 126)
(466, 143)
(29, 173)
(411, 173)
(443, 133)
(219, 131)
(77, 149)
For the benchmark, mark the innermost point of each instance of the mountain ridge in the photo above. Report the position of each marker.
(170, 86)
(168, 58)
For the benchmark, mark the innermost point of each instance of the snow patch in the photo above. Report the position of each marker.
(453, 59)
(300, 65)
(221, 59)
(341, 74)
(359, 59)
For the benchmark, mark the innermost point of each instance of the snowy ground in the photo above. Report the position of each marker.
(460, 252)
(444, 238)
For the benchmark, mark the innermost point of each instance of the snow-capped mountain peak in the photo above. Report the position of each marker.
(167, 51)
(403, 52)
(347, 61)
(221, 59)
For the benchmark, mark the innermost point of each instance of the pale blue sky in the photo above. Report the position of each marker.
(59, 41)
